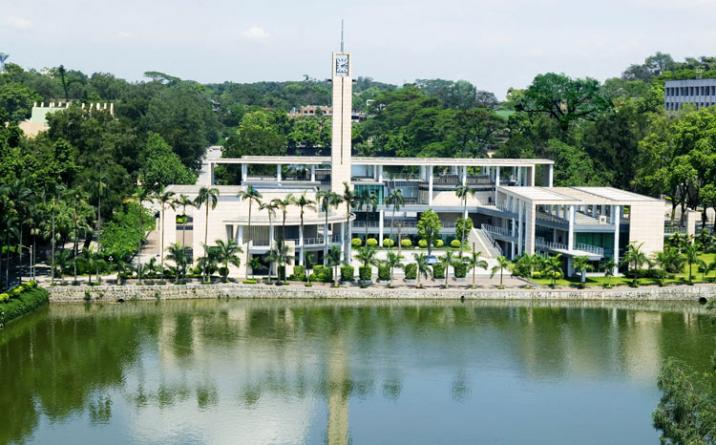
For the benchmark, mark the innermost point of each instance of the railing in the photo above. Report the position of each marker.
(670, 230)
(491, 241)
(551, 218)
(589, 248)
(497, 230)
(551, 245)
(313, 241)
(365, 224)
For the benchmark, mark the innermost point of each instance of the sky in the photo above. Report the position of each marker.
(495, 44)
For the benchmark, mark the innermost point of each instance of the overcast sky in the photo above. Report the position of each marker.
(495, 44)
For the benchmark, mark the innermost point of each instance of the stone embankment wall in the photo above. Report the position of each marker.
(259, 291)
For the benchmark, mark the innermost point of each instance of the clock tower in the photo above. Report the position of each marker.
(341, 131)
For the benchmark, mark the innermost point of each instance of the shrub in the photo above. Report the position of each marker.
(439, 243)
(388, 243)
(347, 272)
(365, 273)
(27, 301)
(122, 234)
(372, 242)
(383, 272)
(322, 273)
(460, 269)
(250, 281)
(411, 271)
(438, 271)
(406, 243)
(356, 242)
(455, 244)
(422, 243)
(299, 273)
(4, 297)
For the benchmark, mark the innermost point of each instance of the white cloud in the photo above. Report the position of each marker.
(18, 22)
(256, 33)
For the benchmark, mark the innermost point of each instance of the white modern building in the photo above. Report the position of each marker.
(514, 207)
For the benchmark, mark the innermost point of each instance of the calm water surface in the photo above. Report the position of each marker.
(279, 372)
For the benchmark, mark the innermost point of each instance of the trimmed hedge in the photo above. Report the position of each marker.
(23, 301)
(460, 269)
(372, 242)
(388, 243)
(356, 242)
(365, 273)
(347, 272)
(383, 272)
(299, 273)
(455, 244)
(422, 243)
(411, 271)
(406, 243)
(438, 271)
(322, 273)
(439, 243)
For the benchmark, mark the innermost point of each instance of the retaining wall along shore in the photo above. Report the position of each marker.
(260, 291)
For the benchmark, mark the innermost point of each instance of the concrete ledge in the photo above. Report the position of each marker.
(171, 292)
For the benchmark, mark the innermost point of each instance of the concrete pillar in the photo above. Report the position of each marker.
(313, 173)
(244, 172)
(381, 224)
(343, 238)
(464, 175)
(497, 182)
(240, 236)
(519, 176)
(532, 176)
(520, 220)
(616, 211)
(212, 176)
(570, 233)
(430, 185)
(550, 179)
(278, 173)
(380, 174)
(300, 245)
(530, 229)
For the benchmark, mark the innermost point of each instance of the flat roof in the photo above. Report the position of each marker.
(576, 195)
(374, 160)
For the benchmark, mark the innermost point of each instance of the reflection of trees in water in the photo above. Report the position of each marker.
(69, 359)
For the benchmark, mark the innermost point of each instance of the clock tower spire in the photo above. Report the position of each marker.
(341, 129)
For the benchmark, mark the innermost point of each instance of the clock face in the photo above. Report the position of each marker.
(342, 65)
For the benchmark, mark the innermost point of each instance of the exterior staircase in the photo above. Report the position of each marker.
(484, 243)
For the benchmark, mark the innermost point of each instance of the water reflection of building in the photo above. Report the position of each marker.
(337, 365)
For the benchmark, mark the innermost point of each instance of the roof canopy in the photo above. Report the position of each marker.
(362, 160)
(576, 195)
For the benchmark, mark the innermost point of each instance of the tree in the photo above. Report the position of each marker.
(166, 199)
(270, 208)
(429, 228)
(227, 253)
(258, 132)
(609, 267)
(183, 201)
(691, 254)
(671, 260)
(333, 259)
(279, 255)
(303, 203)
(446, 261)
(581, 265)
(366, 255)
(283, 205)
(161, 166)
(552, 268)
(16, 100)
(395, 261)
(178, 255)
(502, 264)
(207, 197)
(634, 257)
(475, 261)
(328, 200)
(348, 198)
(396, 200)
(463, 226)
(251, 195)
(423, 268)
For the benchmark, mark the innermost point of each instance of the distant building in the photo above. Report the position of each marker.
(38, 119)
(321, 110)
(699, 92)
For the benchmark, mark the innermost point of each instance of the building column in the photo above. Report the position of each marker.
(570, 233)
(497, 182)
(244, 172)
(532, 176)
(240, 236)
(381, 224)
(212, 176)
(550, 179)
(300, 246)
(616, 212)
(520, 220)
(430, 185)
(278, 173)
(313, 173)
(380, 174)
(343, 239)
(519, 176)
(530, 229)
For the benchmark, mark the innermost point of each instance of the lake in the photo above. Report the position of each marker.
(361, 372)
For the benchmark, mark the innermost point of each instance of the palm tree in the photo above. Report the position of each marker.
(62, 261)
(581, 265)
(184, 201)
(328, 200)
(279, 255)
(80, 213)
(462, 192)
(634, 257)
(333, 259)
(475, 261)
(303, 203)
(349, 198)
(395, 261)
(123, 268)
(227, 253)
(255, 263)
(207, 263)
(252, 195)
(552, 267)
(671, 260)
(423, 268)
(691, 254)
(207, 197)
(502, 264)
(447, 260)
(366, 255)
(395, 199)
(178, 255)
(609, 267)
(283, 205)
(166, 199)
(270, 208)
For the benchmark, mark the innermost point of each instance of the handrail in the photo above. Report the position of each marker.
(492, 241)
(499, 230)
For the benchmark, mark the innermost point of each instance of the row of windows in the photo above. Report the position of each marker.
(673, 106)
(707, 90)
